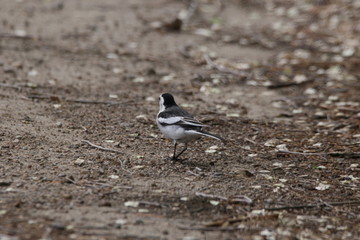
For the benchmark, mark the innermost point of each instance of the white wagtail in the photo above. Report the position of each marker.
(177, 124)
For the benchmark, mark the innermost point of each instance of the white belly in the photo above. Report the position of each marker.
(178, 134)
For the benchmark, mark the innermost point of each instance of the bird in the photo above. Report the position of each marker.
(179, 125)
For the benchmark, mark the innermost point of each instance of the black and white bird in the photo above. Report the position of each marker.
(177, 124)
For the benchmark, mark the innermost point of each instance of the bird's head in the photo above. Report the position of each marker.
(166, 100)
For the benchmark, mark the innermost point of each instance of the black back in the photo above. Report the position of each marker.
(174, 111)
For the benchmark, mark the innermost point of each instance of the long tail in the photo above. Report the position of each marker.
(203, 133)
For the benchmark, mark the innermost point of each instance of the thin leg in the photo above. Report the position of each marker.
(181, 152)
(174, 158)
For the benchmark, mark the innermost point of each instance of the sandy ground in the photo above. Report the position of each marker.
(80, 72)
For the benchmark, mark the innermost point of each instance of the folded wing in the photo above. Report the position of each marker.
(182, 121)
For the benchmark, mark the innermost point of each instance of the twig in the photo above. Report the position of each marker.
(241, 219)
(332, 154)
(216, 228)
(219, 67)
(83, 101)
(251, 141)
(122, 165)
(109, 185)
(326, 204)
(241, 199)
(288, 84)
(100, 147)
(302, 153)
(246, 149)
(109, 193)
(13, 35)
(6, 85)
(314, 205)
(95, 102)
(192, 173)
(235, 199)
(205, 195)
(123, 187)
(71, 180)
(156, 204)
(126, 236)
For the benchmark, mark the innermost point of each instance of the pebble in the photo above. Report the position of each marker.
(79, 161)
(119, 223)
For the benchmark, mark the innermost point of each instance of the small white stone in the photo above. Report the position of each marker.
(210, 150)
(143, 210)
(79, 161)
(190, 238)
(120, 221)
(300, 53)
(260, 212)
(139, 80)
(348, 52)
(322, 186)
(133, 45)
(281, 147)
(156, 24)
(204, 32)
(187, 105)
(118, 70)
(112, 56)
(168, 78)
(300, 78)
(243, 66)
(214, 203)
(131, 204)
(317, 145)
(354, 165)
(333, 98)
(33, 73)
(150, 99)
(272, 142)
(297, 111)
(20, 33)
(310, 91)
(114, 176)
(232, 115)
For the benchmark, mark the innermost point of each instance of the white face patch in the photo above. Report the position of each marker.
(161, 103)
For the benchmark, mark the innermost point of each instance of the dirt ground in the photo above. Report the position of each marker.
(81, 156)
